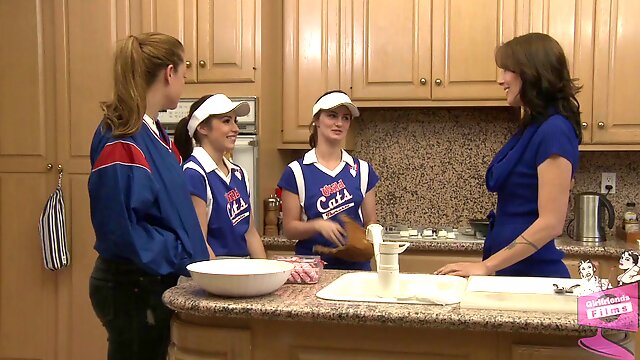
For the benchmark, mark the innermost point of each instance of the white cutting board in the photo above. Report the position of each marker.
(519, 294)
(414, 289)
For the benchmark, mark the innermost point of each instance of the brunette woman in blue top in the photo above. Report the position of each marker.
(219, 188)
(532, 173)
(328, 181)
(146, 229)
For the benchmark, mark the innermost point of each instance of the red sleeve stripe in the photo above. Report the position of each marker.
(122, 153)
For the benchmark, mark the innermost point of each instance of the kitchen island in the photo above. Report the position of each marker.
(293, 323)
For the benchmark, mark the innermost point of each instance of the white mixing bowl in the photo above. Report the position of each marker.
(240, 277)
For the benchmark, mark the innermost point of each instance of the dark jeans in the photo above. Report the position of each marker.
(128, 302)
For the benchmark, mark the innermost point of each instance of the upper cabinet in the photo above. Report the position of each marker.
(391, 49)
(616, 72)
(571, 23)
(226, 40)
(465, 36)
(441, 53)
(439, 49)
(218, 35)
(178, 19)
(312, 58)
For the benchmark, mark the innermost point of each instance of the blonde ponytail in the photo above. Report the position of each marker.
(139, 59)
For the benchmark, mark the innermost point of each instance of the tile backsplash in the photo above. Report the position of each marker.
(432, 163)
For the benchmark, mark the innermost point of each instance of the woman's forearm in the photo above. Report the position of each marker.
(300, 230)
(255, 245)
(531, 240)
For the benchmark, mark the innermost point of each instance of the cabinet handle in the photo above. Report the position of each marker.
(601, 125)
(60, 168)
(438, 82)
(187, 64)
(423, 81)
(585, 125)
(49, 166)
(202, 63)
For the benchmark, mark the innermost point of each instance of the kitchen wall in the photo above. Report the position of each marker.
(432, 163)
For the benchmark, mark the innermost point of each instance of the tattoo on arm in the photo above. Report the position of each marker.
(525, 242)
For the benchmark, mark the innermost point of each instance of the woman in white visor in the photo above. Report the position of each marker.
(219, 188)
(326, 182)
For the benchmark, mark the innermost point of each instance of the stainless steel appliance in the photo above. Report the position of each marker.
(245, 153)
(590, 217)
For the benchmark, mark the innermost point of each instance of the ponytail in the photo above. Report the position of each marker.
(313, 128)
(181, 137)
(138, 61)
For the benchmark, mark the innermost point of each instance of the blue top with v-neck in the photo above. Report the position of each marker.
(513, 175)
(325, 193)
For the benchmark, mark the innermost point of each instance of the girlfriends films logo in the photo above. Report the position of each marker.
(615, 308)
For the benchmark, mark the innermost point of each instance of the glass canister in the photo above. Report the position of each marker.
(306, 268)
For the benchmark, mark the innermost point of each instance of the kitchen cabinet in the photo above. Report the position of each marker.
(390, 49)
(178, 19)
(219, 36)
(311, 61)
(27, 111)
(44, 122)
(539, 352)
(313, 57)
(441, 53)
(85, 80)
(426, 51)
(465, 36)
(617, 49)
(571, 23)
(54, 109)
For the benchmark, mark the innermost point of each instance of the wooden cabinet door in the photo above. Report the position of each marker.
(571, 23)
(465, 37)
(391, 49)
(616, 72)
(311, 62)
(178, 19)
(226, 40)
(27, 121)
(538, 352)
(87, 33)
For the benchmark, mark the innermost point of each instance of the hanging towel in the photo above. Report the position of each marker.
(53, 231)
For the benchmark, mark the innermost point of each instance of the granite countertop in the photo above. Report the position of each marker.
(611, 247)
(299, 303)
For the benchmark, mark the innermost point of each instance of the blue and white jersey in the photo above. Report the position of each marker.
(326, 193)
(228, 201)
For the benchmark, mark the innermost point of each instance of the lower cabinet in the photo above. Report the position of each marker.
(535, 352)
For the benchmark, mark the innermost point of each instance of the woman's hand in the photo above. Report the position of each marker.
(332, 231)
(465, 269)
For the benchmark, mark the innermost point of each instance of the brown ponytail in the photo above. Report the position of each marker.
(138, 61)
(313, 128)
(181, 137)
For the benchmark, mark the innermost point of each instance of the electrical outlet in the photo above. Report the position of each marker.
(608, 179)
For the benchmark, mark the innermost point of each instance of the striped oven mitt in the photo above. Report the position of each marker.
(53, 231)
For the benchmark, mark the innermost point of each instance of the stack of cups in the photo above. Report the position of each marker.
(389, 270)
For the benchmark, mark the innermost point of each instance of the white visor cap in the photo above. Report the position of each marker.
(333, 100)
(216, 105)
